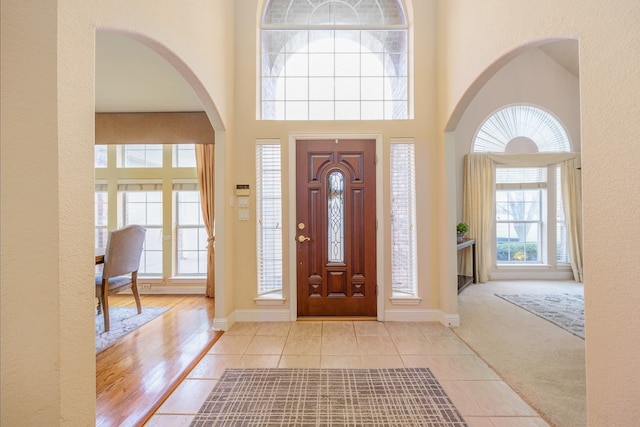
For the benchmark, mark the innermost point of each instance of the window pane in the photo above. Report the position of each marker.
(519, 225)
(145, 208)
(192, 251)
(100, 156)
(321, 89)
(321, 110)
(101, 208)
(189, 210)
(142, 156)
(347, 88)
(191, 236)
(184, 156)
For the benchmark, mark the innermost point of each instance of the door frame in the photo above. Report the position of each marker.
(291, 224)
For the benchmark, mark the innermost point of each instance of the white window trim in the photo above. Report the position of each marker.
(275, 296)
(405, 297)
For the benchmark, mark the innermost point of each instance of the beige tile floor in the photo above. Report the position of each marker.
(478, 393)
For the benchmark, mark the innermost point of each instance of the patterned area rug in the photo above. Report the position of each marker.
(328, 397)
(564, 310)
(122, 321)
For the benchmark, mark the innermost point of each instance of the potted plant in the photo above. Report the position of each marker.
(461, 230)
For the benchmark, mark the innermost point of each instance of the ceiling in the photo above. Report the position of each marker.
(130, 77)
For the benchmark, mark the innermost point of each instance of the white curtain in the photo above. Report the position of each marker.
(479, 201)
(478, 196)
(572, 201)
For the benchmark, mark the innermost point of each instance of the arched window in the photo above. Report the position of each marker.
(334, 60)
(521, 128)
(529, 215)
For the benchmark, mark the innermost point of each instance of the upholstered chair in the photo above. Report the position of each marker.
(121, 263)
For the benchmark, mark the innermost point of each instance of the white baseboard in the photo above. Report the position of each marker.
(422, 315)
(510, 274)
(172, 289)
(223, 323)
(448, 320)
(257, 315)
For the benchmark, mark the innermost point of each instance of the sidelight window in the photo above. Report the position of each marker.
(269, 217)
(403, 220)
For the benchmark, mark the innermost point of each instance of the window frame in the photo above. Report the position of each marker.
(181, 187)
(274, 264)
(283, 40)
(549, 135)
(409, 253)
(114, 175)
(123, 204)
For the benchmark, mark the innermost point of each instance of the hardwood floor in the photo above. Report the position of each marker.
(135, 375)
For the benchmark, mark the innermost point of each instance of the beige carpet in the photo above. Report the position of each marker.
(542, 362)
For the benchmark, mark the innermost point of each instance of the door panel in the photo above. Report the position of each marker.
(336, 235)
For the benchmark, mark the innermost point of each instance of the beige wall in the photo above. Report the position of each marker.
(422, 129)
(47, 135)
(47, 356)
(478, 34)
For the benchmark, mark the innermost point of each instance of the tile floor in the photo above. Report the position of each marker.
(478, 393)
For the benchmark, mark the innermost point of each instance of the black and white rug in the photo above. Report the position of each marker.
(122, 321)
(564, 310)
(328, 397)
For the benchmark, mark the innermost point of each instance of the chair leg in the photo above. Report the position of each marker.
(134, 289)
(105, 306)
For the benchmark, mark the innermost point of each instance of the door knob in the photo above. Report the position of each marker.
(302, 238)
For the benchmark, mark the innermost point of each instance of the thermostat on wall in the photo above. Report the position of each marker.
(242, 190)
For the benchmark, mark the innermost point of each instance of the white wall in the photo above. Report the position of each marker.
(477, 34)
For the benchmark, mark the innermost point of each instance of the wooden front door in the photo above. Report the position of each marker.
(336, 227)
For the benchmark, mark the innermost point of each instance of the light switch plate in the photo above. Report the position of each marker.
(243, 214)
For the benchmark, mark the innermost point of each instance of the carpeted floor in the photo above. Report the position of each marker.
(122, 321)
(543, 363)
(328, 397)
(563, 310)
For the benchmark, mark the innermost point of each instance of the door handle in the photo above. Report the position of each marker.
(302, 238)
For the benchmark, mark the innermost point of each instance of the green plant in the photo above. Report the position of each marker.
(462, 227)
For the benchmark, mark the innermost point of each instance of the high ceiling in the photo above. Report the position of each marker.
(130, 77)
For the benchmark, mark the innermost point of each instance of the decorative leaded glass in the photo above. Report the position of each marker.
(336, 216)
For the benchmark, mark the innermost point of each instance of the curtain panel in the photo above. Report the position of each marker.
(479, 201)
(206, 180)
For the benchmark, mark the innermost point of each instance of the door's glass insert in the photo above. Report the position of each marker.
(336, 217)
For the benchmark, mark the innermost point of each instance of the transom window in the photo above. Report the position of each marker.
(334, 60)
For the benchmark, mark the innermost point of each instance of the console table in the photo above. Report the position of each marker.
(464, 281)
